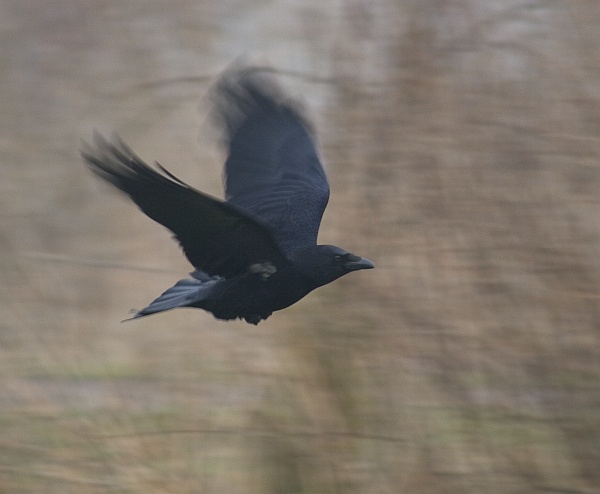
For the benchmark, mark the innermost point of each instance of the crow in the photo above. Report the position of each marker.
(255, 252)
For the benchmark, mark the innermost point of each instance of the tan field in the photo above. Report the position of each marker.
(461, 139)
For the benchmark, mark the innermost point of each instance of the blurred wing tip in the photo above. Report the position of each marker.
(106, 145)
(243, 89)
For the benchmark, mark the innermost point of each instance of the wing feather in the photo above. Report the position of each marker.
(273, 170)
(216, 237)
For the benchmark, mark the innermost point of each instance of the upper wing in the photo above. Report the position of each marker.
(215, 236)
(272, 171)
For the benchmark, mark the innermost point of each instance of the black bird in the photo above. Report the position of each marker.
(256, 252)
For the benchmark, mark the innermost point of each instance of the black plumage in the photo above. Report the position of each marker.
(255, 252)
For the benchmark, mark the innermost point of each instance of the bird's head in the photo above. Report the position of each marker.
(326, 263)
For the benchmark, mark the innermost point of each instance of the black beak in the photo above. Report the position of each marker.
(354, 263)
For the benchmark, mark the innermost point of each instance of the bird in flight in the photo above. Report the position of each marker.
(255, 252)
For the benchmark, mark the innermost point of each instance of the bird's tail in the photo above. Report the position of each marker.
(185, 293)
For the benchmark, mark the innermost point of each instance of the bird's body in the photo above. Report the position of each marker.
(255, 252)
(250, 297)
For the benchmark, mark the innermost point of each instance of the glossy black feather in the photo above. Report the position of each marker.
(215, 237)
(255, 252)
(273, 170)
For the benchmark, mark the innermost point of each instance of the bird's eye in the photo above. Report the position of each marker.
(337, 258)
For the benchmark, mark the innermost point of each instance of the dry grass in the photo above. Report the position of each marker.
(462, 145)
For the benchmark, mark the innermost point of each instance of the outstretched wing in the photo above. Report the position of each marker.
(273, 171)
(216, 237)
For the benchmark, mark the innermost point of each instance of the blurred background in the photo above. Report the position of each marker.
(461, 142)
